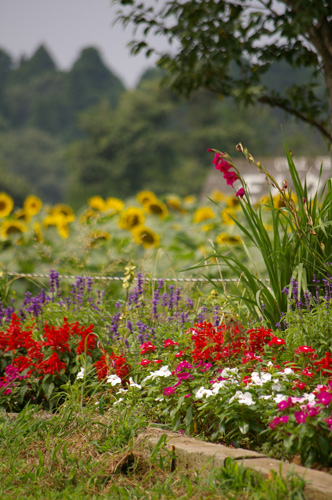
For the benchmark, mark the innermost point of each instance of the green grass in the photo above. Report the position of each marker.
(80, 454)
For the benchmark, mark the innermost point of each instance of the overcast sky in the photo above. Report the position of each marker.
(66, 27)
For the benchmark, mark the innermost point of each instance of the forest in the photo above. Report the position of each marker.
(69, 135)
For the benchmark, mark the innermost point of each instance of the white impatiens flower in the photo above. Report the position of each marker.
(118, 401)
(133, 384)
(276, 386)
(203, 392)
(162, 372)
(113, 380)
(266, 396)
(280, 397)
(228, 372)
(218, 385)
(260, 378)
(121, 391)
(287, 371)
(243, 399)
(80, 374)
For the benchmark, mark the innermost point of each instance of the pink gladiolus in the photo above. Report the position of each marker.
(240, 193)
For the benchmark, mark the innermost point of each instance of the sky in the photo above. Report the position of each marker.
(65, 27)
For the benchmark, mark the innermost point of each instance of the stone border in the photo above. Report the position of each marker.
(192, 454)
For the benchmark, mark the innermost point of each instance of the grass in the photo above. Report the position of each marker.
(80, 454)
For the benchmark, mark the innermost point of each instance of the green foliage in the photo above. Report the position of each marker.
(300, 246)
(228, 46)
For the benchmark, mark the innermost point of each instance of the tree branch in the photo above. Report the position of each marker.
(279, 103)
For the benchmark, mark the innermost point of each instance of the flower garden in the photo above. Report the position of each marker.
(246, 363)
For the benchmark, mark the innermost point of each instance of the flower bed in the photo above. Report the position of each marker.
(187, 365)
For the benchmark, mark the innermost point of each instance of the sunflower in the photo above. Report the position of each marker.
(146, 197)
(32, 205)
(207, 227)
(227, 217)
(98, 236)
(202, 214)
(52, 220)
(145, 237)
(64, 211)
(114, 205)
(130, 218)
(6, 205)
(12, 227)
(189, 200)
(226, 239)
(156, 207)
(38, 232)
(22, 215)
(97, 203)
(174, 203)
(88, 215)
(217, 196)
(63, 229)
(233, 202)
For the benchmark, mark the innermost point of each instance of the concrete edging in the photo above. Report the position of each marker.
(192, 454)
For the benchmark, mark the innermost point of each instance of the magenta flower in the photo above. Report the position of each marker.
(278, 420)
(230, 178)
(285, 404)
(300, 417)
(184, 376)
(184, 365)
(240, 193)
(168, 391)
(324, 398)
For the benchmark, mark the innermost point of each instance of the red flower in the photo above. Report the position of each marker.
(117, 364)
(169, 343)
(51, 365)
(324, 364)
(276, 341)
(147, 347)
(145, 362)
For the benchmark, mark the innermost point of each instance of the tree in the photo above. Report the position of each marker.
(227, 46)
(89, 81)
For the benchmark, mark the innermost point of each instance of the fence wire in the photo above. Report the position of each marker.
(122, 278)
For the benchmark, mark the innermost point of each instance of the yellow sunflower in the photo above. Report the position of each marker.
(233, 202)
(88, 215)
(65, 211)
(98, 236)
(38, 232)
(53, 220)
(22, 215)
(202, 214)
(12, 227)
(189, 200)
(130, 218)
(218, 196)
(114, 205)
(32, 205)
(6, 204)
(226, 216)
(174, 203)
(156, 207)
(97, 203)
(63, 229)
(145, 237)
(145, 197)
(226, 239)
